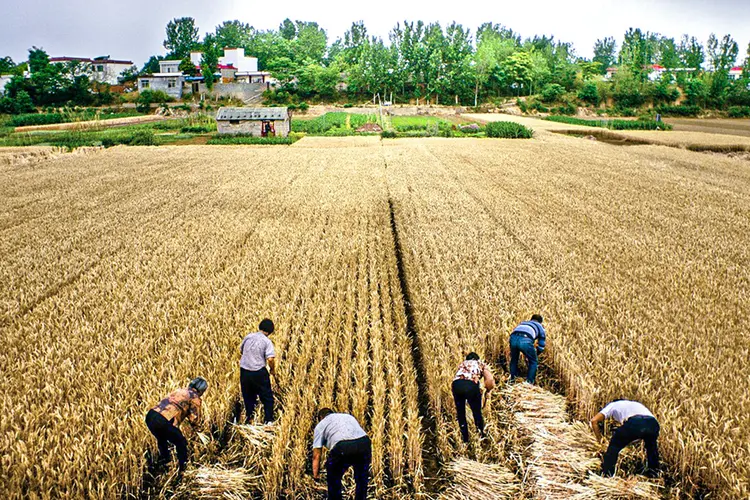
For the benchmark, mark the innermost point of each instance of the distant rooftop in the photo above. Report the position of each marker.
(252, 114)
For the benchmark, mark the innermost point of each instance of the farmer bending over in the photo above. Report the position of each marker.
(465, 389)
(636, 423)
(522, 340)
(164, 419)
(257, 349)
(348, 446)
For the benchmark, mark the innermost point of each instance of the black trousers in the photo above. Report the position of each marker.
(166, 433)
(257, 384)
(356, 453)
(634, 428)
(467, 391)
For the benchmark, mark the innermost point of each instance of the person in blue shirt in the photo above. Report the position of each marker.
(528, 338)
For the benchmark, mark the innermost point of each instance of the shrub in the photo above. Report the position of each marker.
(19, 104)
(36, 119)
(197, 129)
(567, 108)
(552, 92)
(148, 97)
(679, 110)
(739, 111)
(142, 138)
(508, 130)
(388, 134)
(589, 93)
(613, 124)
(249, 139)
(348, 105)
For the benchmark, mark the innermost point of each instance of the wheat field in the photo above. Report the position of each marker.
(125, 272)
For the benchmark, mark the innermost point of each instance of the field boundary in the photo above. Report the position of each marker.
(429, 423)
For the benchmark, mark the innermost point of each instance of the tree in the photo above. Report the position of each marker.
(287, 29)
(38, 59)
(518, 69)
(637, 52)
(182, 37)
(209, 60)
(605, 51)
(7, 66)
(668, 53)
(690, 52)
(721, 57)
(130, 75)
(152, 65)
(235, 34)
(187, 67)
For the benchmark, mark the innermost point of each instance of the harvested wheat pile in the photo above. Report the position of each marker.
(471, 479)
(562, 454)
(217, 481)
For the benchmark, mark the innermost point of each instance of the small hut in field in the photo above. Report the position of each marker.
(258, 122)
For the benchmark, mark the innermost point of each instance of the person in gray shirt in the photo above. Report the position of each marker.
(348, 446)
(257, 350)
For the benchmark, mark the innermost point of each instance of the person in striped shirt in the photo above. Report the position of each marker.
(528, 338)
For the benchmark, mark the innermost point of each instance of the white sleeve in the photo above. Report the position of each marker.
(607, 410)
(270, 352)
(318, 436)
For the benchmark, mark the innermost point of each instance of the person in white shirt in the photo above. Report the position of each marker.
(256, 350)
(348, 446)
(636, 423)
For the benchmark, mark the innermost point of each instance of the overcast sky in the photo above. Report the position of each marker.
(134, 29)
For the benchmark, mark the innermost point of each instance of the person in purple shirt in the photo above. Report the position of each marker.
(523, 340)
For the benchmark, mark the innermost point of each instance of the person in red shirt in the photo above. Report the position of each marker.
(466, 388)
(164, 419)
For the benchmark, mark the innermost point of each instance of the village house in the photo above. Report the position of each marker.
(236, 67)
(735, 73)
(169, 79)
(258, 122)
(100, 69)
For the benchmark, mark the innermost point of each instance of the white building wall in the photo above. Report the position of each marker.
(4, 79)
(109, 72)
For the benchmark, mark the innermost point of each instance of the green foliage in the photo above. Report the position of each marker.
(696, 93)
(605, 52)
(589, 94)
(19, 104)
(739, 112)
(248, 139)
(552, 92)
(388, 134)
(681, 110)
(612, 124)
(508, 130)
(182, 37)
(36, 119)
(567, 108)
(664, 93)
(148, 97)
(337, 123)
(209, 60)
(409, 123)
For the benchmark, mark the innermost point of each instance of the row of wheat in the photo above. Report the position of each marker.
(125, 273)
(638, 259)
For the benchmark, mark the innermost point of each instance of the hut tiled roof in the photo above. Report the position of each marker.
(251, 114)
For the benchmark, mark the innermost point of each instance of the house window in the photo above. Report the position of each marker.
(234, 122)
(145, 84)
(100, 68)
(171, 83)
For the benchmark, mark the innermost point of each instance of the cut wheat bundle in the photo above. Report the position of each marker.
(217, 481)
(471, 479)
(563, 454)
